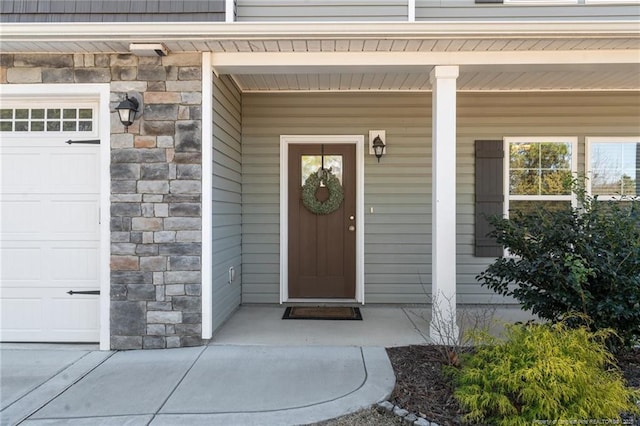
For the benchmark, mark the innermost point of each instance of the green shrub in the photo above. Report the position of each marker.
(543, 372)
(574, 260)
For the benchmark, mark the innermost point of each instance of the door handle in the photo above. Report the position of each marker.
(352, 228)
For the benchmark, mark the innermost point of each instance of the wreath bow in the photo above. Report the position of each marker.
(310, 187)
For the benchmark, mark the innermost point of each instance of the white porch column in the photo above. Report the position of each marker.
(443, 288)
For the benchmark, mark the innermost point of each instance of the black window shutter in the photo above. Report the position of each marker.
(489, 195)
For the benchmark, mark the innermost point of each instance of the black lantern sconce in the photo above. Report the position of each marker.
(377, 146)
(127, 111)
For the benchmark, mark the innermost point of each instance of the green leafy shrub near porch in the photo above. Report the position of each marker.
(543, 372)
(574, 260)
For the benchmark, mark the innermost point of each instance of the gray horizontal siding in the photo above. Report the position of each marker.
(436, 10)
(398, 233)
(111, 11)
(322, 10)
(227, 198)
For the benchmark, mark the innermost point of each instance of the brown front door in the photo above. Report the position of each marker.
(322, 248)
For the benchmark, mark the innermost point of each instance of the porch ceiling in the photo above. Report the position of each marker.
(472, 78)
(566, 55)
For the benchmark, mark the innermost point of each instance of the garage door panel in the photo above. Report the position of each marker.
(76, 219)
(21, 313)
(17, 171)
(21, 217)
(48, 315)
(77, 266)
(49, 227)
(73, 172)
(20, 264)
(82, 313)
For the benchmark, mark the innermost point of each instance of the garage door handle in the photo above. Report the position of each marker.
(90, 141)
(71, 292)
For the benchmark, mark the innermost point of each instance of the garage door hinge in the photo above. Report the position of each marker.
(71, 292)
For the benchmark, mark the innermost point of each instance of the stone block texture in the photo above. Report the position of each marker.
(156, 197)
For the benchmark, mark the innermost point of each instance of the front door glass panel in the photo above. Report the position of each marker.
(311, 164)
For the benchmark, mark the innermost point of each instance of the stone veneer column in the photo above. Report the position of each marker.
(156, 204)
(156, 199)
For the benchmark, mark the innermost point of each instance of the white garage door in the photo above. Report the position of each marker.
(49, 222)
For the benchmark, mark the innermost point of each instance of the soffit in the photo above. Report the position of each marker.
(590, 39)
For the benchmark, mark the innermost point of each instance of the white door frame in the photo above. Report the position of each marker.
(285, 141)
(101, 93)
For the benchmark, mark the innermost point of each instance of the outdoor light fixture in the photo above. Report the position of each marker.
(377, 146)
(127, 110)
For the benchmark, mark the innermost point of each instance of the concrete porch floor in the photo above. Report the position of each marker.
(380, 326)
(383, 326)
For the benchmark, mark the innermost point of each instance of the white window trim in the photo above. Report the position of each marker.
(521, 139)
(589, 141)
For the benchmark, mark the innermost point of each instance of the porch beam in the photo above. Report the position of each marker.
(443, 326)
(368, 62)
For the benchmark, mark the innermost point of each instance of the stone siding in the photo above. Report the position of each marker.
(156, 198)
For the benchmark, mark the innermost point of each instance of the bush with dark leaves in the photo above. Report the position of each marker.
(584, 260)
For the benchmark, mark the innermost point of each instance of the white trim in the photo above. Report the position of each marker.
(378, 62)
(100, 92)
(279, 91)
(573, 140)
(229, 11)
(285, 141)
(589, 140)
(220, 31)
(207, 197)
(411, 10)
(444, 203)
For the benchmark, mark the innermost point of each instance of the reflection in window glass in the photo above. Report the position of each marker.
(533, 207)
(22, 113)
(312, 163)
(615, 168)
(539, 168)
(49, 120)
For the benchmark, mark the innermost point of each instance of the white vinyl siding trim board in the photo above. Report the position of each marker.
(227, 198)
(398, 233)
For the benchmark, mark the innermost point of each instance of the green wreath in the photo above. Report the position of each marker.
(310, 187)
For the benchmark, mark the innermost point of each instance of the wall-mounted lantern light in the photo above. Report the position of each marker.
(377, 144)
(127, 110)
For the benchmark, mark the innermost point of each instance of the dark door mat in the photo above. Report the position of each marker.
(322, 313)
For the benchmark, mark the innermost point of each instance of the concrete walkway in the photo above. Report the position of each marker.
(212, 385)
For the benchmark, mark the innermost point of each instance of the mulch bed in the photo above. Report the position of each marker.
(424, 389)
